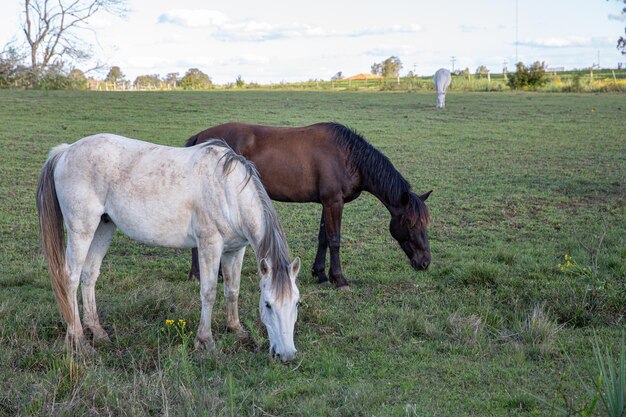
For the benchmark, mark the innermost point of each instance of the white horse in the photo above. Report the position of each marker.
(204, 196)
(442, 82)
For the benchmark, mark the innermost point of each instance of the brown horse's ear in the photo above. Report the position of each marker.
(264, 267)
(404, 198)
(425, 196)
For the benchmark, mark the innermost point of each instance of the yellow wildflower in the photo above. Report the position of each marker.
(568, 264)
(169, 322)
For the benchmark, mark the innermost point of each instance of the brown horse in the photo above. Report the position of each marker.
(330, 164)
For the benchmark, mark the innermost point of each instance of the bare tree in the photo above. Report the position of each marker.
(621, 42)
(51, 27)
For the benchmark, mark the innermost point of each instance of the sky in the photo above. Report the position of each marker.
(291, 40)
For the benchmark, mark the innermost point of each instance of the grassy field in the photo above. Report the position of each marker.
(493, 328)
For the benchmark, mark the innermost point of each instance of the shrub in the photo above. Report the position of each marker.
(528, 77)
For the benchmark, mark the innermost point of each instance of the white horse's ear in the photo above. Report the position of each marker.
(295, 267)
(264, 267)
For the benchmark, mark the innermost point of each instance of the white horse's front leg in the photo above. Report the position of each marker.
(209, 263)
(231, 270)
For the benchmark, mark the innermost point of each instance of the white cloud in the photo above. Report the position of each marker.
(378, 30)
(565, 42)
(194, 18)
(387, 51)
(247, 59)
(618, 17)
(223, 28)
(466, 28)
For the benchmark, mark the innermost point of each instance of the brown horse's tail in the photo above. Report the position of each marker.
(51, 231)
(192, 141)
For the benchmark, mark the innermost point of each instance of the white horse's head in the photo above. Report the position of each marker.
(279, 309)
(441, 100)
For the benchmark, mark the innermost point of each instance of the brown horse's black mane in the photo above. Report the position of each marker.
(377, 170)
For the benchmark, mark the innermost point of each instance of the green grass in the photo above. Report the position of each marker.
(519, 180)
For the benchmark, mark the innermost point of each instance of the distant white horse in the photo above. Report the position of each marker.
(204, 196)
(442, 82)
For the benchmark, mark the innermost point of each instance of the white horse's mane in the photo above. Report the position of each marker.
(272, 245)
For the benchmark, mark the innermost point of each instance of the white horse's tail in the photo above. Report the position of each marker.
(51, 231)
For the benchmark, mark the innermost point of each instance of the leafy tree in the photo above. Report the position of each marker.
(337, 77)
(390, 67)
(14, 74)
(239, 82)
(528, 77)
(172, 79)
(377, 68)
(77, 79)
(194, 79)
(10, 66)
(147, 81)
(482, 71)
(115, 75)
(53, 78)
(52, 28)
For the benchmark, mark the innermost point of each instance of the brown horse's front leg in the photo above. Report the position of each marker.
(332, 220)
(194, 272)
(319, 265)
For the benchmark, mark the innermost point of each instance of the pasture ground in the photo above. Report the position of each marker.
(492, 328)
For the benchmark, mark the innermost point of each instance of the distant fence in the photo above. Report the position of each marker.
(558, 80)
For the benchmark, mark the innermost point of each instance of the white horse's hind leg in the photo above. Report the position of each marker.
(209, 263)
(231, 270)
(79, 237)
(91, 270)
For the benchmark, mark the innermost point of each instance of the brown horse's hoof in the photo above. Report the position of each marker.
(339, 281)
(320, 276)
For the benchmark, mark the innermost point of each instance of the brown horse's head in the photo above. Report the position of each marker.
(409, 224)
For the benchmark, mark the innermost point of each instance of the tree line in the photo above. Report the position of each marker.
(193, 79)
